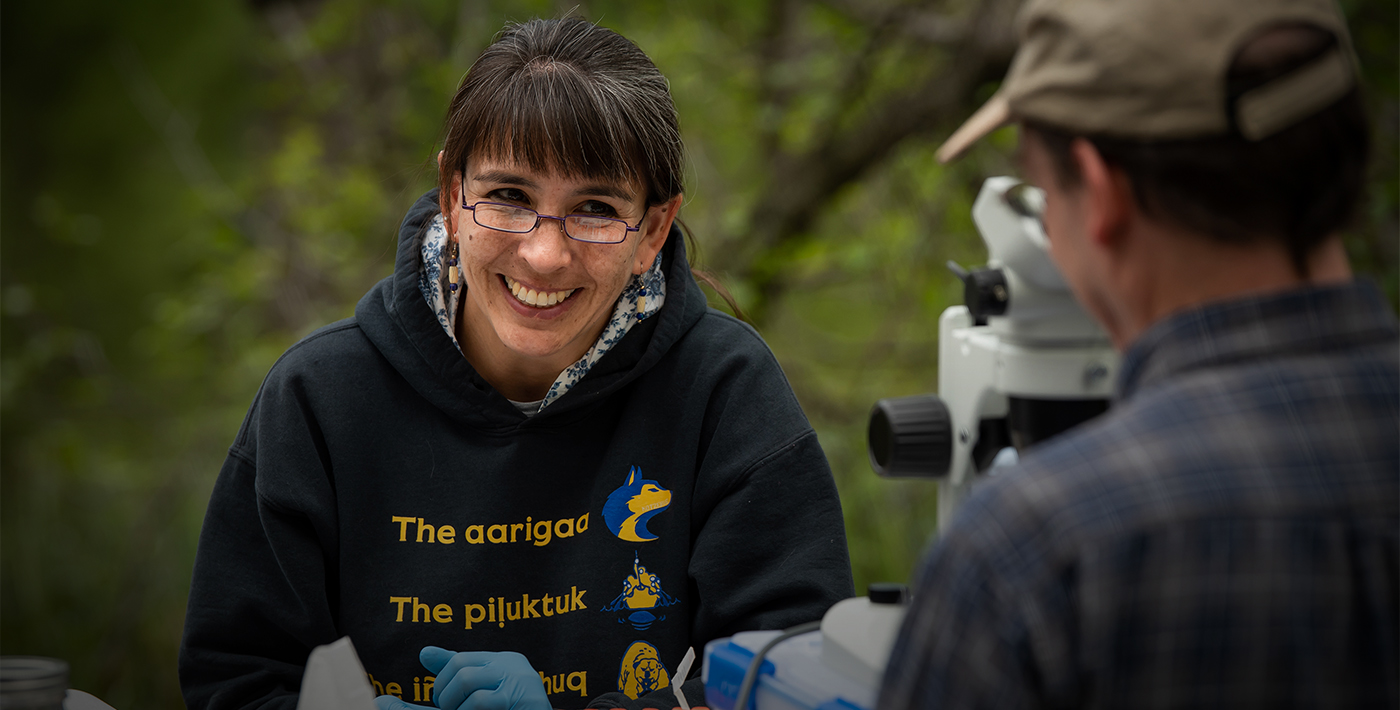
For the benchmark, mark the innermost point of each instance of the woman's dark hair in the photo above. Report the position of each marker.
(1297, 186)
(566, 95)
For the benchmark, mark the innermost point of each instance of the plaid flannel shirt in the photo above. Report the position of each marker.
(1227, 535)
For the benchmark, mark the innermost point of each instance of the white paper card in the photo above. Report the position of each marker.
(678, 678)
(335, 680)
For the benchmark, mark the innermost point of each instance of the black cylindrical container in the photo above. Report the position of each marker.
(32, 683)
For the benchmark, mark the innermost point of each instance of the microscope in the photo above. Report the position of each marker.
(1018, 363)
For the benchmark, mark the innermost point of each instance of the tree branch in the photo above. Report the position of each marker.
(800, 184)
(775, 93)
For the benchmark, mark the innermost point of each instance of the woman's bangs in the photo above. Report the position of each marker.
(549, 120)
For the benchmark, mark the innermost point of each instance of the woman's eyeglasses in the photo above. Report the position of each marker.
(522, 220)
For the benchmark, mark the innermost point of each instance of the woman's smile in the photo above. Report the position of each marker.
(539, 302)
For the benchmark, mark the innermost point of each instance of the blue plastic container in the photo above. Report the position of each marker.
(792, 676)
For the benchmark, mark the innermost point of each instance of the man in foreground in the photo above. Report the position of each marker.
(1228, 534)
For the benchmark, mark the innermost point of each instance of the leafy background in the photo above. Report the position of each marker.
(190, 187)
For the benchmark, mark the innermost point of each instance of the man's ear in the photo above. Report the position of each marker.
(1108, 196)
(655, 228)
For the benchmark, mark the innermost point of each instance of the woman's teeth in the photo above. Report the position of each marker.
(538, 299)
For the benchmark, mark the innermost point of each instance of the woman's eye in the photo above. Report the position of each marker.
(509, 194)
(594, 207)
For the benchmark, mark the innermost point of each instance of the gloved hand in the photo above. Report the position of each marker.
(477, 680)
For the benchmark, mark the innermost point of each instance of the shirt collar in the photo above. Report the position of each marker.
(1308, 319)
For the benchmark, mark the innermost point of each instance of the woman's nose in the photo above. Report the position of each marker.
(546, 249)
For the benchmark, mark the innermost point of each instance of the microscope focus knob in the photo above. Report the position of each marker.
(911, 437)
(985, 291)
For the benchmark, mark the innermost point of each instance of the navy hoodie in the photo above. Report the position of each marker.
(380, 488)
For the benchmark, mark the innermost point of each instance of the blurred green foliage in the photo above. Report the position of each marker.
(190, 187)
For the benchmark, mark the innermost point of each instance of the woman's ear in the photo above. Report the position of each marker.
(447, 203)
(655, 228)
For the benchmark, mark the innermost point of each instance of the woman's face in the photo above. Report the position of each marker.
(577, 282)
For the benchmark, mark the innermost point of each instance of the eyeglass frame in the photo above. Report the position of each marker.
(563, 221)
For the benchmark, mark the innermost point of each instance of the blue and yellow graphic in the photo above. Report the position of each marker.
(641, 671)
(641, 592)
(630, 507)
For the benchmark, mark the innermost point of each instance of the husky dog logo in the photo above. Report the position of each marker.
(641, 671)
(630, 507)
(640, 591)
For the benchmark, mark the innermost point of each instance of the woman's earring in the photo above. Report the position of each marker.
(452, 272)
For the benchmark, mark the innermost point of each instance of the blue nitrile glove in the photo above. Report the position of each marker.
(477, 680)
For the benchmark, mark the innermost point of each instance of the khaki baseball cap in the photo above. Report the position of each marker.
(1156, 69)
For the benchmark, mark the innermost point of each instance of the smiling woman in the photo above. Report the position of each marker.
(422, 476)
(570, 124)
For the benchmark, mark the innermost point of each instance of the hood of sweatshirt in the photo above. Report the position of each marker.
(399, 322)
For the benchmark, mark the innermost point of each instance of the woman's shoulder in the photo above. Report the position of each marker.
(728, 355)
(330, 353)
(324, 371)
(717, 332)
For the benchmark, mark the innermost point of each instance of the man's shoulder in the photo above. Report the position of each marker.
(1206, 445)
(1021, 519)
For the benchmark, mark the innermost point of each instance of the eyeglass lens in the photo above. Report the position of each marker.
(519, 220)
